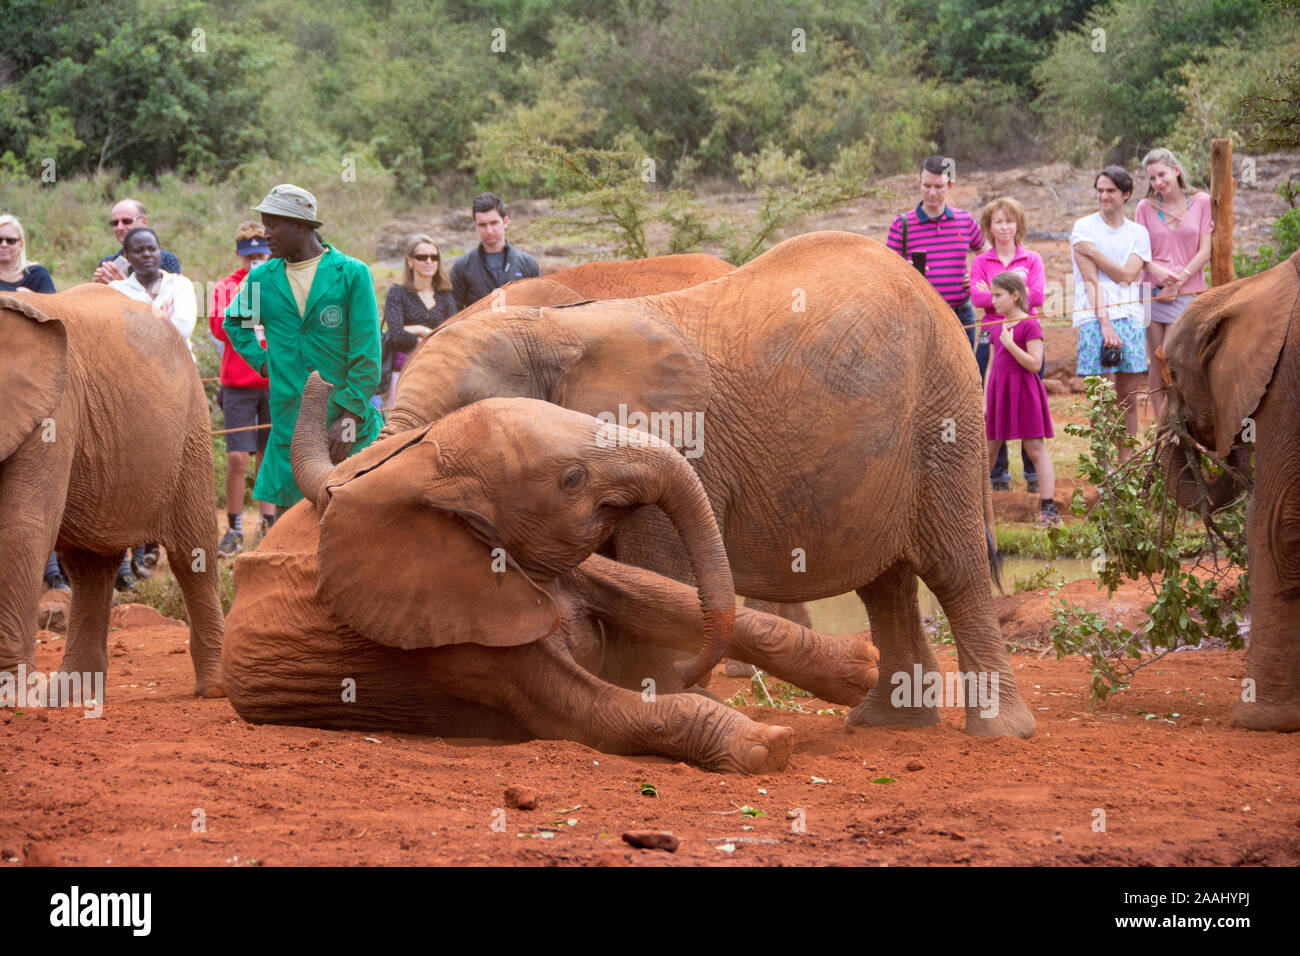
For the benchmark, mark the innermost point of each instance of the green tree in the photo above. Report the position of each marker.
(992, 41)
(149, 86)
(1274, 110)
(1110, 83)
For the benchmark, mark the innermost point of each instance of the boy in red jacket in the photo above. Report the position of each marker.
(244, 394)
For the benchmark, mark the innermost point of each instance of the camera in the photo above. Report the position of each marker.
(1111, 356)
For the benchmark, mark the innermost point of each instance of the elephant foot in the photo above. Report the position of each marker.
(878, 710)
(761, 748)
(1009, 718)
(849, 671)
(740, 669)
(209, 689)
(1260, 715)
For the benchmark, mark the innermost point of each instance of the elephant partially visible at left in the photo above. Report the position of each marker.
(105, 443)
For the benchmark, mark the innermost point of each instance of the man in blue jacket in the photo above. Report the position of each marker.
(493, 262)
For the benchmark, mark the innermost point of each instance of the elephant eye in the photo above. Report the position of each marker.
(573, 479)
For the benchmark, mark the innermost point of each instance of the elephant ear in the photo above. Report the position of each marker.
(35, 367)
(406, 574)
(1239, 337)
(629, 356)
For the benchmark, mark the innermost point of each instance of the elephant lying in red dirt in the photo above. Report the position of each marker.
(442, 581)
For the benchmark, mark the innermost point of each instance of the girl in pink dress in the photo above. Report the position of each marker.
(1180, 225)
(1015, 399)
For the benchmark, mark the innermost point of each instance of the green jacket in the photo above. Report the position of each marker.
(338, 337)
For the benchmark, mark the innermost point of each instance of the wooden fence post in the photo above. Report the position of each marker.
(1221, 191)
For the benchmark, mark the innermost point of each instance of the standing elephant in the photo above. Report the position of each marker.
(844, 447)
(105, 442)
(1234, 361)
(445, 577)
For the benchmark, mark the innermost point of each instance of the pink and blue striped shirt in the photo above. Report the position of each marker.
(946, 240)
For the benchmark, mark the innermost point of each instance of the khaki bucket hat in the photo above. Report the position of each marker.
(292, 202)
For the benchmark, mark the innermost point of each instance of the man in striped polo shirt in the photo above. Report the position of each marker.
(937, 238)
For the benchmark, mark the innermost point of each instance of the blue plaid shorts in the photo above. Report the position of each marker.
(1131, 335)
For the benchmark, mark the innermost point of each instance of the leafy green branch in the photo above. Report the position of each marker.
(1145, 536)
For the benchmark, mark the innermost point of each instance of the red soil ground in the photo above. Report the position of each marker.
(125, 788)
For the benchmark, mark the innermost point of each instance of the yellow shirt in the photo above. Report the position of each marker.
(300, 276)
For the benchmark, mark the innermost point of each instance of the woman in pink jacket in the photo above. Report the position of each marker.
(1003, 221)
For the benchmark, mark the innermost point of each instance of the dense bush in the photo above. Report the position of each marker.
(201, 88)
(1109, 86)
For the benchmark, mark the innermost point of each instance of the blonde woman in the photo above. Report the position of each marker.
(413, 308)
(16, 272)
(1179, 222)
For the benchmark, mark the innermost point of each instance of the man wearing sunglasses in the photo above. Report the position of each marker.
(127, 215)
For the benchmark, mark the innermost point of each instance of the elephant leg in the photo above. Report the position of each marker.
(92, 578)
(646, 612)
(191, 543)
(1272, 701)
(895, 618)
(196, 573)
(798, 613)
(29, 525)
(542, 687)
(649, 540)
(967, 599)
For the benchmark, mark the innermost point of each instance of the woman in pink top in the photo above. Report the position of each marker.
(1180, 225)
(1003, 221)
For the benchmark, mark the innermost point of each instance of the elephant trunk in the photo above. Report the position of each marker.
(309, 455)
(1178, 465)
(1219, 492)
(682, 498)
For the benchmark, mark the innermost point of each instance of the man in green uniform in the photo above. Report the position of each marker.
(317, 308)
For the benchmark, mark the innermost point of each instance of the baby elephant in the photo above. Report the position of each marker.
(442, 581)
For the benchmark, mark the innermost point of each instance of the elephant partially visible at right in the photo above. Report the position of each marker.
(1234, 361)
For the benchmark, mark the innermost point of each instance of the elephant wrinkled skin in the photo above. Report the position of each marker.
(105, 444)
(1234, 360)
(842, 436)
(388, 579)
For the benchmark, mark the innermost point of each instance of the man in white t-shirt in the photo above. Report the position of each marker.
(1109, 252)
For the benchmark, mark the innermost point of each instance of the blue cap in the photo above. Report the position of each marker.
(253, 246)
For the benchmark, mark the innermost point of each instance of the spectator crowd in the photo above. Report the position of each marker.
(296, 304)
(1133, 278)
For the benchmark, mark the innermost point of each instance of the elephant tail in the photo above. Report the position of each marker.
(991, 538)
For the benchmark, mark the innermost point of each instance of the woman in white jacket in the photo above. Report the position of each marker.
(172, 294)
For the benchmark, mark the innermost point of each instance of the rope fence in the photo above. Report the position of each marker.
(1067, 313)
(978, 324)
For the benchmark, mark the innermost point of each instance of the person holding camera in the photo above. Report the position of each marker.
(1109, 254)
(938, 238)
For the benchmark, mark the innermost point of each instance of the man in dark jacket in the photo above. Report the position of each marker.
(493, 262)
